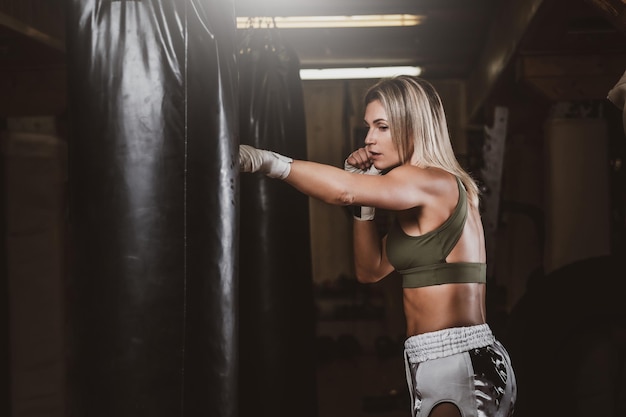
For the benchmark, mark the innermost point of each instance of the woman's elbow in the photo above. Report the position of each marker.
(339, 197)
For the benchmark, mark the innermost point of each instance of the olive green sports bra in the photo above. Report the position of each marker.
(421, 260)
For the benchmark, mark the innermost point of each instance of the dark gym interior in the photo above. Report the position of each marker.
(142, 276)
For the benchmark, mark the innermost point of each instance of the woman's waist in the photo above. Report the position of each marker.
(416, 327)
(439, 307)
(447, 342)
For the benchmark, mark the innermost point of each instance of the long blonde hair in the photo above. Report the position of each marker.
(418, 126)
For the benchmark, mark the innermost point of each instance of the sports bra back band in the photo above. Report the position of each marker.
(446, 273)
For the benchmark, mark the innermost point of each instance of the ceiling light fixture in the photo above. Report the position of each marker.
(312, 22)
(357, 73)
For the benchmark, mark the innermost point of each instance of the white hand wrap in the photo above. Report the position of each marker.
(270, 163)
(362, 212)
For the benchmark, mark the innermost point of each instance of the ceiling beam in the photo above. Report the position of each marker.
(613, 10)
(30, 32)
(572, 77)
(505, 34)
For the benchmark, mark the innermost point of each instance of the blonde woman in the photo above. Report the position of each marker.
(455, 366)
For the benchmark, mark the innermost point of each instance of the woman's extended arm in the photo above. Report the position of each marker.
(333, 186)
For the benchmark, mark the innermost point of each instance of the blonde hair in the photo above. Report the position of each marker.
(418, 126)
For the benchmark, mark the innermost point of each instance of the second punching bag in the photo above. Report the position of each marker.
(277, 322)
(153, 213)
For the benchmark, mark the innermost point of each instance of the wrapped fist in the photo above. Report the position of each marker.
(359, 157)
(269, 163)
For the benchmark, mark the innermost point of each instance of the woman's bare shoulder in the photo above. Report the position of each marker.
(415, 186)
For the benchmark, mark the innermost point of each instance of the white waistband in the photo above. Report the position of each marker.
(447, 342)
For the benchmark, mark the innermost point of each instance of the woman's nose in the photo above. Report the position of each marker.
(369, 140)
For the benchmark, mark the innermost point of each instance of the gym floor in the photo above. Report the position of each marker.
(364, 385)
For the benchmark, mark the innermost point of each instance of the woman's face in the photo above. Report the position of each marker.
(378, 143)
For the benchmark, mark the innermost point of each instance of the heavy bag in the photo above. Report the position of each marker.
(153, 208)
(277, 321)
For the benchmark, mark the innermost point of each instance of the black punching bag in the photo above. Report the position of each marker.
(153, 208)
(277, 321)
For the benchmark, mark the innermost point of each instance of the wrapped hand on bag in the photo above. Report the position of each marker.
(358, 162)
(270, 163)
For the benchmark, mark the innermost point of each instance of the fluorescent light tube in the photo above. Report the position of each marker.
(302, 22)
(356, 73)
